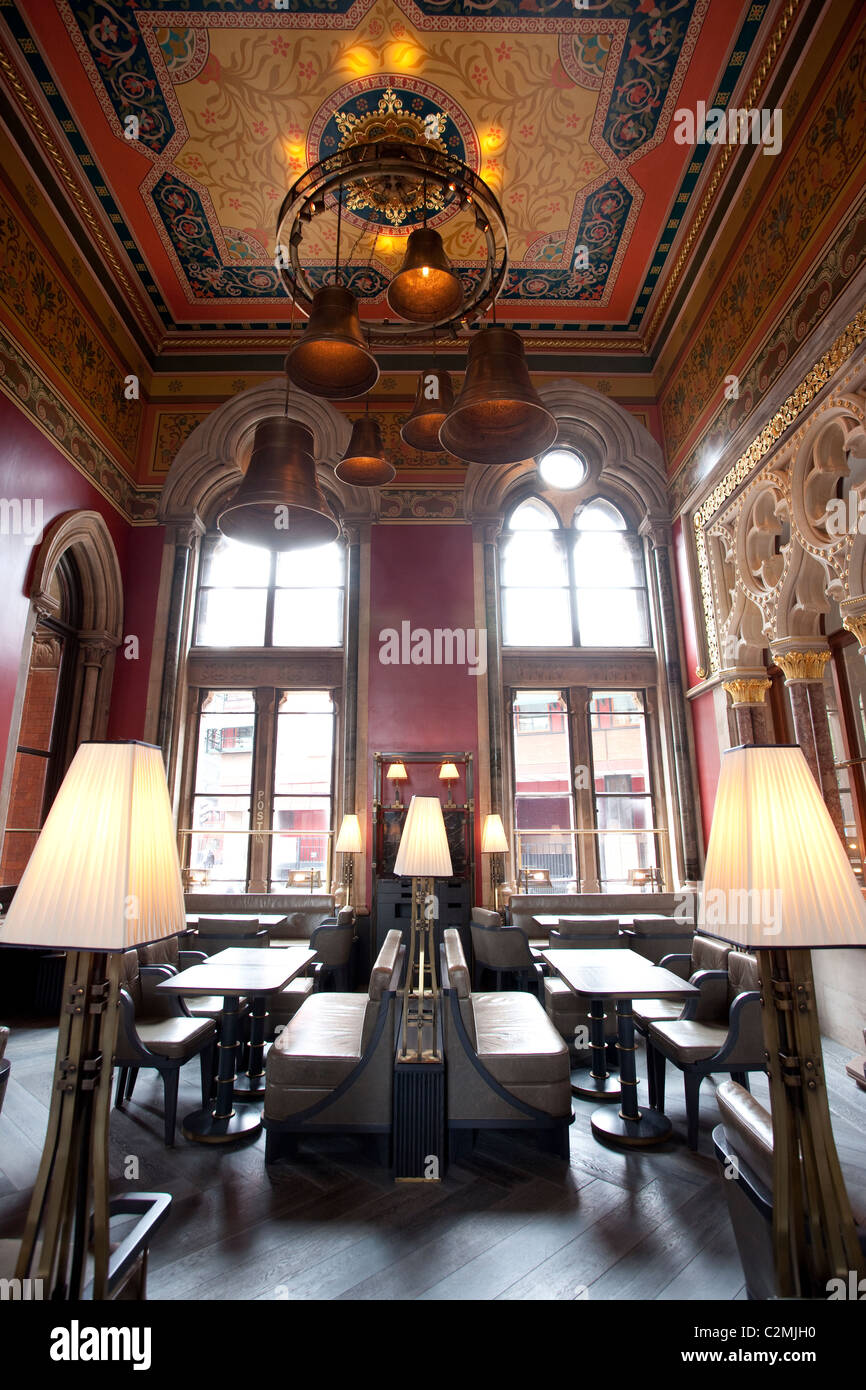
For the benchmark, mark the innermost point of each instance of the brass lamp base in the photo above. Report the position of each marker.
(420, 998)
(72, 1181)
(814, 1235)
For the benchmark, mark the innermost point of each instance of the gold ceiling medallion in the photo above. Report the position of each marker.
(392, 197)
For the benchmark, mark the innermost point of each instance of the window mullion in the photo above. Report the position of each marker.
(262, 790)
(567, 541)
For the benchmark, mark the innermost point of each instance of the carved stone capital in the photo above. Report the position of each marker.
(747, 690)
(657, 529)
(46, 652)
(184, 533)
(95, 648)
(802, 665)
(853, 611)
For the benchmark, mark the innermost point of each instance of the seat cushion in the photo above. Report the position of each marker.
(683, 1040)
(656, 1010)
(321, 1045)
(175, 1037)
(286, 1002)
(207, 1005)
(516, 1040)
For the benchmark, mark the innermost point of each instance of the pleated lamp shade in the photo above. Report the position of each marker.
(349, 838)
(423, 851)
(493, 839)
(777, 875)
(104, 875)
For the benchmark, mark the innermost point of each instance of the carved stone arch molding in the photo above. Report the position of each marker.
(623, 460)
(211, 462)
(85, 537)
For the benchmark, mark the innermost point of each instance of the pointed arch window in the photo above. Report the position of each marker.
(583, 586)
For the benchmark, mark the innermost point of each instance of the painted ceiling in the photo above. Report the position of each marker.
(566, 108)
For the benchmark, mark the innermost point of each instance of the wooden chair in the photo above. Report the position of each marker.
(158, 1031)
(507, 953)
(732, 1041)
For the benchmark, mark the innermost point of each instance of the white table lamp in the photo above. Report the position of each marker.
(423, 856)
(778, 881)
(349, 844)
(104, 876)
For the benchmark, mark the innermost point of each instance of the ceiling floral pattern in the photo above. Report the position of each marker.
(556, 109)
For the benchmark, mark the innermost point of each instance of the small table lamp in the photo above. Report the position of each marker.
(778, 881)
(104, 876)
(448, 773)
(423, 856)
(494, 843)
(349, 844)
(397, 773)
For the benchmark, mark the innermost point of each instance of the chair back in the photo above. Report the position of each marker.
(708, 954)
(160, 953)
(501, 948)
(228, 926)
(130, 979)
(562, 941)
(589, 926)
(486, 918)
(4, 1038)
(742, 973)
(332, 942)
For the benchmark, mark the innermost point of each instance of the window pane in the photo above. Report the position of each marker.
(300, 851)
(612, 618)
(534, 559)
(231, 617)
(536, 618)
(532, 515)
(230, 565)
(225, 743)
(607, 559)
(322, 566)
(621, 779)
(308, 618)
(600, 515)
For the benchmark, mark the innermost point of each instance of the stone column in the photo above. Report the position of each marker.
(494, 664)
(748, 689)
(261, 797)
(96, 653)
(186, 538)
(350, 672)
(802, 662)
(657, 531)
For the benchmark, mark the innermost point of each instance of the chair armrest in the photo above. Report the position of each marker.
(745, 1040)
(677, 964)
(188, 958)
(154, 1002)
(711, 1005)
(151, 1208)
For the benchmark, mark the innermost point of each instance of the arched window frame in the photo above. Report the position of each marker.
(565, 536)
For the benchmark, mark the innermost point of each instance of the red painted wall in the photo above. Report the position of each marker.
(424, 575)
(31, 467)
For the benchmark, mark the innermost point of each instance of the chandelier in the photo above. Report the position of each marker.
(390, 168)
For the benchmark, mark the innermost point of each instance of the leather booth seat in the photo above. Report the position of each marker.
(301, 912)
(706, 954)
(507, 1067)
(331, 1069)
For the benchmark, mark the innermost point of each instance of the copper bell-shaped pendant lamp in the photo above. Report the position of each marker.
(331, 358)
(364, 463)
(425, 289)
(433, 400)
(498, 416)
(279, 503)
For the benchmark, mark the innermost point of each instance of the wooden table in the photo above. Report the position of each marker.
(269, 971)
(621, 975)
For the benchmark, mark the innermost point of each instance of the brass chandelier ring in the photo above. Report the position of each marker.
(308, 197)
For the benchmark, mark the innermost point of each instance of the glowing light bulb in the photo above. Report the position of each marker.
(425, 271)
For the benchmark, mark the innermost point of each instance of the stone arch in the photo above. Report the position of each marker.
(211, 462)
(87, 537)
(624, 462)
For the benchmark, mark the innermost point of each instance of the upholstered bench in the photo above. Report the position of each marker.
(506, 1066)
(331, 1068)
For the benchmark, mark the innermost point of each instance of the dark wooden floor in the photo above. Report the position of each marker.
(508, 1223)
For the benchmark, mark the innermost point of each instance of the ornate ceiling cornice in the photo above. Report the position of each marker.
(725, 154)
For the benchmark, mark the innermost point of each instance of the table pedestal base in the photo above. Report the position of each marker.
(205, 1128)
(588, 1087)
(648, 1127)
(248, 1088)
